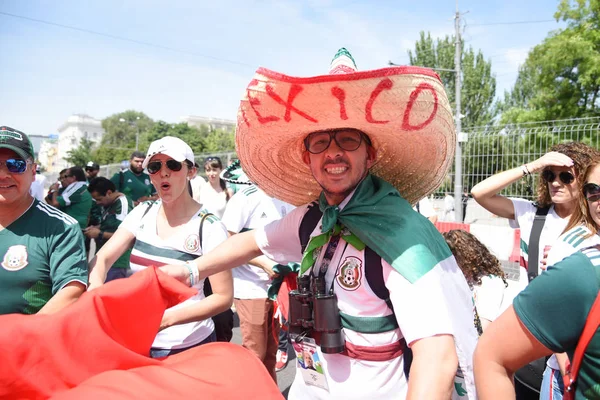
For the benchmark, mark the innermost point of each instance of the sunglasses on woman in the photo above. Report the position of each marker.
(155, 166)
(591, 191)
(15, 165)
(565, 177)
(347, 140)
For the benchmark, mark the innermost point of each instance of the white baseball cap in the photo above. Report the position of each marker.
(170, 146)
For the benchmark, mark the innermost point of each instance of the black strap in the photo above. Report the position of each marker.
(121, 181)
(374, 275)
(201, 225)
(308, 224)
(418, 207)
(533, 248)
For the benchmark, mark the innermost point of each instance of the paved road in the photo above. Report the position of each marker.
(284, 377)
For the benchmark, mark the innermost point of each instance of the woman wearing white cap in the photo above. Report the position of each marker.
(172, 230)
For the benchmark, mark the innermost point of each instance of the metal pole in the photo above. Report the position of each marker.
(458, 190)
(137, 138)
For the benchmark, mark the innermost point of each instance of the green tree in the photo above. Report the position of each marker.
(218, 140)
(80, 155)
(118, 141)
(191, 135)
(561, 76)
(478, 84)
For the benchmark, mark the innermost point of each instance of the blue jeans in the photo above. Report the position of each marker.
(552, 385)
(116, 273)
(158, 353)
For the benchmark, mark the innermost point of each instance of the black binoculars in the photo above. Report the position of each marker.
(312, 308)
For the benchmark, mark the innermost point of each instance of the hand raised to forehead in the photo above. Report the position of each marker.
(551, 159)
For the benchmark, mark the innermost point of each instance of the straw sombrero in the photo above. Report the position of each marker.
(404, 111)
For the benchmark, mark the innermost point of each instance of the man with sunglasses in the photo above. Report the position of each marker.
(42, 258)
(353, 150)
(134, 182)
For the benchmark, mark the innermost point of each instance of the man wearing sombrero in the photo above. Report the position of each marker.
(364, 145)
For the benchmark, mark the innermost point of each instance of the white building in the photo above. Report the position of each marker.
(48, 155)
(70, 134)
(213, 123)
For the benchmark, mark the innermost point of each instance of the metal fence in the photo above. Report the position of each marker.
(494, 148)
(226, 157)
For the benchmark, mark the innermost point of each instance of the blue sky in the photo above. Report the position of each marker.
(49, 72)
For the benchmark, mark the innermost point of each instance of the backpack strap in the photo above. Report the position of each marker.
(534, 242)
(308, 224)
(374, 275)
(204, 216)
(589, 330)
(121, 181)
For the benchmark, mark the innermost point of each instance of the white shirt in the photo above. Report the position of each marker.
(553, 227)
(489, 297)
(425, 208)
(438, 303)
(249, 209)
(149, 249)
(37, 187)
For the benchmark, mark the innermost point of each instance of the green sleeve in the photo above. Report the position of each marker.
(110, 223)
(61, 202)
(67, 258)
(152, 190)
(555, 305)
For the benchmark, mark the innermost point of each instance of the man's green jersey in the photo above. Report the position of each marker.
(112, 216)
(40, 253)
(134, 186)
(76, 201)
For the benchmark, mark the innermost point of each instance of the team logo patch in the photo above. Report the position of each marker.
(350, 275)
(146, 181)
(192, 243)
(15, 258)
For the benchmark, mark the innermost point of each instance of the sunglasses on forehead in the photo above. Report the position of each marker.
(155, 166)
(565, 177)
(15, 165)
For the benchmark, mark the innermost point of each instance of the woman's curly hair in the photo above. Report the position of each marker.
(473, 258)
(580, 153)
(582, 215)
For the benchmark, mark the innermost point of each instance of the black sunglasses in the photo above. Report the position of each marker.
(591, 191)
(348, 140)
(15, 165)
(155, 166)
(565, 177)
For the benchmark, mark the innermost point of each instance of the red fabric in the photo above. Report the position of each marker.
(99, 345)
(290, 282)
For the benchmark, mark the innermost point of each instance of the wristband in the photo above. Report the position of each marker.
(525, 170)
(194, 273)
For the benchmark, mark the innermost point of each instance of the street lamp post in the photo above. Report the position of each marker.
(137, 131)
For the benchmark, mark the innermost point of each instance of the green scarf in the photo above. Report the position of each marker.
(378, 217)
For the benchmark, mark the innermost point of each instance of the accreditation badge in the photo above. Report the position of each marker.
(309, 362)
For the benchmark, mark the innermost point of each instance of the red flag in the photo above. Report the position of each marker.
(99, 346)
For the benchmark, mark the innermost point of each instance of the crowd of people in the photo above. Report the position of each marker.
(322, 235)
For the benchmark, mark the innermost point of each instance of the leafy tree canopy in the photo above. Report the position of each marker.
(478, 84)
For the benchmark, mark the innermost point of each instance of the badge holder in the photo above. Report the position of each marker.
(309, 360)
